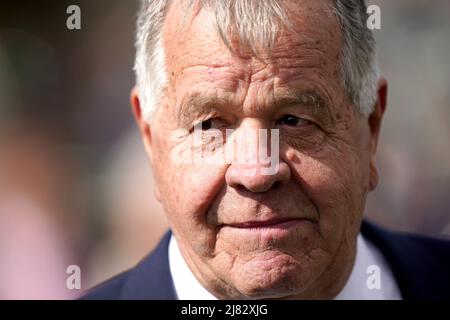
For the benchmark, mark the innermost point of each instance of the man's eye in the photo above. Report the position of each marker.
(203, 125)
(293, 121)
(206, 125)
(213, 123)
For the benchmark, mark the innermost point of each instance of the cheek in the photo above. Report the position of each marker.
(187, 187)
(335, 185)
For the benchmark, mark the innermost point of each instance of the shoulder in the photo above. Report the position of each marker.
(150, 279)
(420, 264)
(417, 246)
(108, 290)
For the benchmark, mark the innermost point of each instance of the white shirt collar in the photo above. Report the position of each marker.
(369, 263)
(187, 286)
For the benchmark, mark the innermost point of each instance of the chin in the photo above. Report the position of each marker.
(277, 277)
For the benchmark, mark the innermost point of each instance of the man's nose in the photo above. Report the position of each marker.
(257, 166)
(254, 179)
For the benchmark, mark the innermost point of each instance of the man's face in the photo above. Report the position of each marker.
(244, 234)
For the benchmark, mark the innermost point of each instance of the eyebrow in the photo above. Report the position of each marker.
(197, 103)
(308, 98)
(312, 100)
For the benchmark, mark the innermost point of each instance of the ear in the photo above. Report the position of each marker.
(375, 120)
(143, 125)
(144, 128)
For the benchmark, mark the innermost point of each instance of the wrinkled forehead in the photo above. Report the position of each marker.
(191, 35)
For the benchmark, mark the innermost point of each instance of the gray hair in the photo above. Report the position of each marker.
(257, 23)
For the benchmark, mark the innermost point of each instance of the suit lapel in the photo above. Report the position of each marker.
(418, 273)
(151, 279)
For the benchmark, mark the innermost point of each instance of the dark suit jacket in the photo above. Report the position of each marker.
(421, 267)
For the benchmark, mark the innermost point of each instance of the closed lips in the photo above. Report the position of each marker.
(273, 223)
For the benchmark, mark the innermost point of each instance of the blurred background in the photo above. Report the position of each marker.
(75, 184)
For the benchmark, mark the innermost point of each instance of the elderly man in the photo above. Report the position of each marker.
(303, 75)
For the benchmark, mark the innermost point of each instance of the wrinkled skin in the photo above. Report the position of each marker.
(326, 158)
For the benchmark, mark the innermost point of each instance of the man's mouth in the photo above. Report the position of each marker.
(267, 224)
